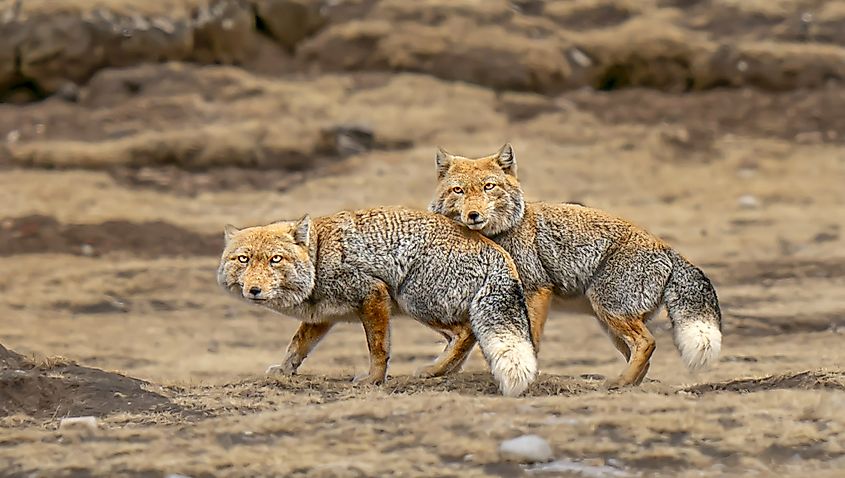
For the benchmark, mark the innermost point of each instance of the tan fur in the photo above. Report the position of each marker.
(375, 316)
(460, 342)
(570, 250)
(538, 310)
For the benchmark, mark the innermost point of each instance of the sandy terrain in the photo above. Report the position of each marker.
(112, 204)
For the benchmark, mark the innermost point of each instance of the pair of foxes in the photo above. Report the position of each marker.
(482, 265)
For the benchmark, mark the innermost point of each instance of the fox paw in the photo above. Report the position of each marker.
(280, 369)
(368, 380)
(425, 372)
(430, 371)
(616, 383)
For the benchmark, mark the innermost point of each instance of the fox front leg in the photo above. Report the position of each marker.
(375, 316)
(307, 337)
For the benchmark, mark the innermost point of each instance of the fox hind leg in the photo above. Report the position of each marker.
(629, 334)
(618, 341)
(461, 340)
(538, 311)
(307, 337)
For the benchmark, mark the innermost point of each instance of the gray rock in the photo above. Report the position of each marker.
(289, 21)
(526, 449)
(83, 424)
(747, 201)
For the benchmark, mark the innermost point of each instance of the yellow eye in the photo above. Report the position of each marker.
(243, 259)
(457, 190)
(275, 259)
(489, 186)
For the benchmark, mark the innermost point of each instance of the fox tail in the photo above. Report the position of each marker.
(694, 311)
(500, 324)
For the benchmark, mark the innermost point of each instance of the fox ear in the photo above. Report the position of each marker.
(443, 160)
(506, 159)
(302, 231)
(229, 232)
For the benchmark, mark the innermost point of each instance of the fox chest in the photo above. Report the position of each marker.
(321, 311)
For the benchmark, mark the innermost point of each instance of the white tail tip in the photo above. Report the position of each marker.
(514, 365)
(699, 342)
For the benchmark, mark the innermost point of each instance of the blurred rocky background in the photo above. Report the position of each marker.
(289, 84)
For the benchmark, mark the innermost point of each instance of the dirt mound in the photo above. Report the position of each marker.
(150, 124)
(809, 380)
(802, 115)
(325, 389)
(196, 118)
(57, 388)
(43, 234)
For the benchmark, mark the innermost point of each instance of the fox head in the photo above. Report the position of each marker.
(269, 264)
(483, 193)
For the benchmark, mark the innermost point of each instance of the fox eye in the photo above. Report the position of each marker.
(243, 259)
(457, 190)
(275, 259)
(489, 186)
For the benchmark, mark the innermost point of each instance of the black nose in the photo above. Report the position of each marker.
(474, 215)
(255, 290)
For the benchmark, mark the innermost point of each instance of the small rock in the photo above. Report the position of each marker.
(347, 139)
(289, 21)
(747, 201)
(85, 424)
(68, 91)
(526, 449)
(580, 58)
(746, 173)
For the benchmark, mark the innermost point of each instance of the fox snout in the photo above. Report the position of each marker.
(474, 219)
(254, 292)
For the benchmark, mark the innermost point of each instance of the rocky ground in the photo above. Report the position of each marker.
(715, 124)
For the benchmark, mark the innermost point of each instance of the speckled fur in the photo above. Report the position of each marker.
(567, 250)
(354, 265)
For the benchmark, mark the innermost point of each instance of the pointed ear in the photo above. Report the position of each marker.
(506, 159)
(229, 232)
(443, 160)
(302, 231)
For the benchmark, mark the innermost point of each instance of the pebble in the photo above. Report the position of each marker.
(747, 201)
(526, 449)
(87, 424)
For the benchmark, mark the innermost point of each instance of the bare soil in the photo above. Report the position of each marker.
(113, 201)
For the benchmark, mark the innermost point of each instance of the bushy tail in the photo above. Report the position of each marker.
(499, 321)
(694, 311)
